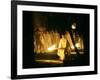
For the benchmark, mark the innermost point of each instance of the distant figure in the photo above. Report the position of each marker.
(61, 48)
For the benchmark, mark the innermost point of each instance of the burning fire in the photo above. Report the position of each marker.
(72, 47)
(53, 47)
(77, 45)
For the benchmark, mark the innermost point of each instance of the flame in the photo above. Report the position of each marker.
(72, 47)
(53, 47)
(77, 45)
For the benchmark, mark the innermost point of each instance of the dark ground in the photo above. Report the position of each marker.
(52, 60)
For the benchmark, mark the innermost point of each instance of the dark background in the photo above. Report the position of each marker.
(55, 21)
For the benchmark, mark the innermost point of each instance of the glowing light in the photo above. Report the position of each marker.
(73, 47)
(77, 45)
(50, 61)
(52, 48)
(73, 27)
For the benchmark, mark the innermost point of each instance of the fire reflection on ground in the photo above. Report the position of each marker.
(50, 61)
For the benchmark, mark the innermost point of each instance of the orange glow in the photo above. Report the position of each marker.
(53, 47)
(77, 45)
(73, 47)
(50, 61)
